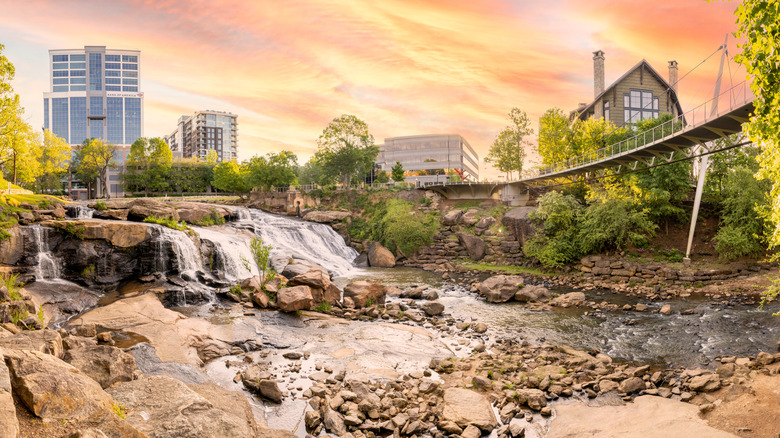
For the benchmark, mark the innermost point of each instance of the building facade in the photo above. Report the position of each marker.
(430, 158)
(95, 92)
(640, 93)
(206, 131)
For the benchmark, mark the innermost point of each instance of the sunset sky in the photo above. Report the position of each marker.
(406, 67)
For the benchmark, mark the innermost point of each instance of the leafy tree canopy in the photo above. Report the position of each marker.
(232, 177)
(92, 160)
(346, 149)
(508, 149)
(397, 172)
(273, 170)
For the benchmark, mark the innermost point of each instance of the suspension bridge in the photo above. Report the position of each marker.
(710, 127)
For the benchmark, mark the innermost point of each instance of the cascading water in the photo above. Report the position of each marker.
(313, 242)
(84, 212)
(48, 267)
(187, 254)
(232, 253)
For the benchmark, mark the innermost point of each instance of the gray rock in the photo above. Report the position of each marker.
(270, 390)
(432, 308)
(465, 407)
(473, 244)
(704, 383)
(451, 218)
(326, 217)
(104, 364)
(53, 389)
(162, 407)
(533, 398)
(500, 288)
(379, 256)
(470, 217)
(532, 293)
(291, 299)
(334, 422)
(8, 418)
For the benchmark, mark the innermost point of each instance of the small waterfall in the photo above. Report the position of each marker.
(187, 254)
(313, 242)
(243, 214)
(48, 267)
(80, 211)
(232, 253)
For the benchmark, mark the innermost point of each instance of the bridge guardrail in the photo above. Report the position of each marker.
(689, 120)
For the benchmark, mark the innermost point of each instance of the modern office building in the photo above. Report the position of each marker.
(206, 131)
(95, 93)
(430, 158)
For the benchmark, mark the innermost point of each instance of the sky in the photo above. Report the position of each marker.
(405, 67)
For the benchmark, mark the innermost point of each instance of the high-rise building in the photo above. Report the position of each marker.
(430, 158)
(206, 131)
(95, 93)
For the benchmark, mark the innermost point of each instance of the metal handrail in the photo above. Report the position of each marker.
(687, 121)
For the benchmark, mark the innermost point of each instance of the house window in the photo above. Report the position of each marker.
(639, 105)
(606, 110)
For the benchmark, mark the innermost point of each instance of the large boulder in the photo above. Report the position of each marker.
(379, 256)
(366, 292)
(500, 288)
(297, 267)
(119, 234)
(104, 364)
(451, 217)
(44, 341)
(8, 419)
(465, 407)
(199, 213)
(291, 299)
(704, 383)
(570, 299)
(519, 224)
(531, 397)
(470, 217)
(326, 217)
(432, 308)
(473, 244)
(162, 407)
(144, 207)
(532, 293)
(322, 289)
(53, 389)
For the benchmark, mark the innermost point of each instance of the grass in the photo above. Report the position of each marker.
(11, 282)
(504, 269)
(100, 205)
(119, 410)
(168, 222)
(465, 205)
(323, 307)
(213, 219)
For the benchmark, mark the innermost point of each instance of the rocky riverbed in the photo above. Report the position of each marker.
(185, 342)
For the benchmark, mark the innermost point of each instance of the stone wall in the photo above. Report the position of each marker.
(622, 271)
(282, 202)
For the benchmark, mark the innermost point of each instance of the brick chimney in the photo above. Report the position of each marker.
(598, 73)
(673, 75)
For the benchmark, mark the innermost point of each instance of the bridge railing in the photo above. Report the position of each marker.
(734, 97)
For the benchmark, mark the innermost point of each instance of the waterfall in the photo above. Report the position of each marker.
(187, 254)
(80, 211)
(313, 242)
(231, 251)
(243, 214)
(48, 267)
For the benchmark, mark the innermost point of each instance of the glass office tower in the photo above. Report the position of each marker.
(95, 92)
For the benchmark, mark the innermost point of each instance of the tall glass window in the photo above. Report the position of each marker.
(113, 65)
(95, 71)
(78, 81)
(59, 74)
(45, 113)
(59, 88)
(59, 58)
(129, 66)
(78, 119)
(606, 110)
(59, 116)
(639, 105)
(113, 81)
(81, 57)
(113, 88)
(59, 66)
(95, 106)
(61, 81)
(114, 120)
(112, 73)
(130, 89)
(78, 65)
(96, 128)
(113, 58)
(78, 88)
(129, 74)
(129, 58)
(78, 73)
(132, 119)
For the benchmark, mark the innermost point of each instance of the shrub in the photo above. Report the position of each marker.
(323, 307)
(743, 224)
(168, 222)
(405, 229)
(100, 206)
(612, 224)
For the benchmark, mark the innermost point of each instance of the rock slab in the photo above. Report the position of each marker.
(465, 407)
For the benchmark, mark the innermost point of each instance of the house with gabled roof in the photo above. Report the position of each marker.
(641, 93)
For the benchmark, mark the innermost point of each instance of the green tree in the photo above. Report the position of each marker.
(92, 160)
(148, 165)
(54, 162)
(313, 173)
(661, 190)
(382, 177)
(190, 175)
(397, 172)
(759, 28)
(554, 133)
(346, 149)
(232, 177)
(508, 149)
(273, 170)
(743, 227)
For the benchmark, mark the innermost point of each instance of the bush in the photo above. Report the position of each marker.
(613, 224)
(168, 222)
(743, 226)
(407, 230)
(100, 206)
